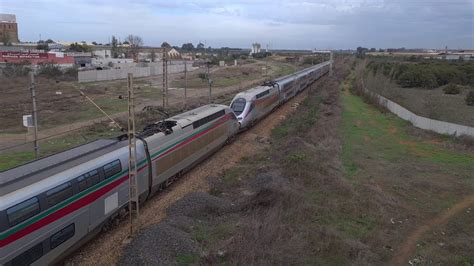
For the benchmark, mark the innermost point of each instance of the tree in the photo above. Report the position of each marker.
(165, 45)
(200, 46)
(76, 47)
(187, 46)
(470, 98)
(49, 41)
(114, 49)
(361, 50)
(373, 50)
(94, 43)
(42, 46)
(153, 56)
(135, 43)
(126, 42)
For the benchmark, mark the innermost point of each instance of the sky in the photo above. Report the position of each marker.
(320, 24)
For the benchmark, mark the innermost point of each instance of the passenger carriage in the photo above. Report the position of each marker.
(52, 205)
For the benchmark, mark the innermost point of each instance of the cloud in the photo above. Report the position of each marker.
(282, 24)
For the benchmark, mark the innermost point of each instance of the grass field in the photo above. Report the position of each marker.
(221, 77)
(54, 145)
(370, 136)
(344, 183)
(419, 174)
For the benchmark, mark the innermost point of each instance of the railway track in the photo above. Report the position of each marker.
(105, 248)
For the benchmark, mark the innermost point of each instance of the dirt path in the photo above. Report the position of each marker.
(407, 249)
(105, 248)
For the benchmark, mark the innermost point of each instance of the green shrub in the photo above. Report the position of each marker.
(424, 73)
(452, 89)
(72, 71)
(470, 98)
(16, 69)
(50, 70)
(416, 77)
(202, 76)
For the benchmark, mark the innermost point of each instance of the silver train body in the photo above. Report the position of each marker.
(251, 105)
(52, 205)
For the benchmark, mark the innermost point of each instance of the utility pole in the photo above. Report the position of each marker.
(165, 79)
(185, 84)
(209, 81)
(266, 63)
(35, 116)
(331, 63)
(296, 63)
(132, 155)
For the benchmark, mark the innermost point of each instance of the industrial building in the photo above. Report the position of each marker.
(8, 29)
(37, 58)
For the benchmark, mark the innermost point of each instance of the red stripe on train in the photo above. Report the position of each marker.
(91, 197)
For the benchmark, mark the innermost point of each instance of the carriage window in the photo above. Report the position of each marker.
(87, 180)
(61, 236)
(59, 193)
(29, 256)
(23, 211)
(261, 94)
(112, 168)
(208, 119)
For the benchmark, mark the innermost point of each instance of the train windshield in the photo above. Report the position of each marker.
(238, 106)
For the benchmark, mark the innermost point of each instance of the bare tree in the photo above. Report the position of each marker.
(114, 49)
(135, 43)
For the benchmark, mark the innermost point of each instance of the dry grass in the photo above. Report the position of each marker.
(334, 192)
(279, 193)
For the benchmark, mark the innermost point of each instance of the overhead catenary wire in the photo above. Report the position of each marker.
(100, 109)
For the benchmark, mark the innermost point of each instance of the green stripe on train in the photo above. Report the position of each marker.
(90, 190)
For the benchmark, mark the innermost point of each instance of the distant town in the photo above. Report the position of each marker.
(131, 49)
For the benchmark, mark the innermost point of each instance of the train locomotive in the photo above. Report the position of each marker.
(49, 205)
(53, 205)
(251, 105)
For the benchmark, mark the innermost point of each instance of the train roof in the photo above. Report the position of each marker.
(36, 170)
(291, 76)
(252, 92)
(187, 118)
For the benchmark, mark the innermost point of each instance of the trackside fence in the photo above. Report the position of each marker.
(434, 125)
(153, 69)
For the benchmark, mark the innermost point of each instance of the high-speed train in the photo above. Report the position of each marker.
(251, 105)
(50, 205)
(53, 205)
